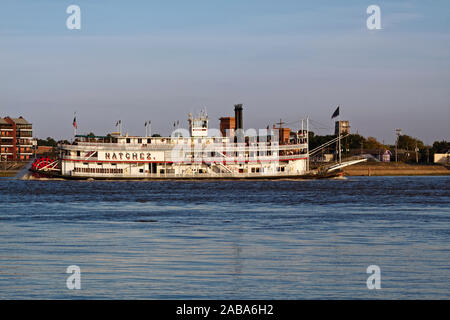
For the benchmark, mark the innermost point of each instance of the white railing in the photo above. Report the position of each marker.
(194, 175)
(231, 147)
(205, 159)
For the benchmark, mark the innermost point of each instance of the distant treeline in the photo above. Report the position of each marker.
(355, 143)
(50, 142)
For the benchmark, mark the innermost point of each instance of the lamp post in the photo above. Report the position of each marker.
(399, 133)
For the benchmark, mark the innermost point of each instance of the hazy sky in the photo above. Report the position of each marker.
(159, 60)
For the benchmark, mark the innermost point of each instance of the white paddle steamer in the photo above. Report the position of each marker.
(228, 153)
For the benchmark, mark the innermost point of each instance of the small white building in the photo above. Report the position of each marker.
(442, 158)
(387, 156)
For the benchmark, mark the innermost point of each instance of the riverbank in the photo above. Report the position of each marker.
(395, 169)
(12, 168)
(8, 173)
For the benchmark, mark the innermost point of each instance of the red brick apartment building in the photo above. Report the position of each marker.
(16, 139)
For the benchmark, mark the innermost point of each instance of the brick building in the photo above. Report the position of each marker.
(227, 126)
(16, 135)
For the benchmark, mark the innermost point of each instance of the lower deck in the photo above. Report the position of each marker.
(152, 170)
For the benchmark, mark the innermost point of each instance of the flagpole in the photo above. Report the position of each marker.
(337, 114)
(307, 141)
(75, 125)
(339, 119)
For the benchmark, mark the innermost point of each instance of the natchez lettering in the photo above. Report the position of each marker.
(129, 156)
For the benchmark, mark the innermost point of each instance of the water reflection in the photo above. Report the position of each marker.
(260, 240)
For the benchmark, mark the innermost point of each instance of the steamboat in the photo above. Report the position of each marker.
(197, 153)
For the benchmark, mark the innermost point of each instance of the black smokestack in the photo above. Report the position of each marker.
(239, 124)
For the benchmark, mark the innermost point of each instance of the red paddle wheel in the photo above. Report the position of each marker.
(41, 163)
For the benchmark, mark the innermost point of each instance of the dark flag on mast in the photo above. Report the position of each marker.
(75, 122)
(336, 113)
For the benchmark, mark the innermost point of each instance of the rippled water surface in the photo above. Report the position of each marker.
(226, 240)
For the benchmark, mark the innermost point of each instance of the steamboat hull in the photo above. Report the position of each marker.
(308, 176)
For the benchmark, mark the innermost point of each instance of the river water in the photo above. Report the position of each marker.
(226, 239)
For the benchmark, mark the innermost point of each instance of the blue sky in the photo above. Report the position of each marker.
(159, 60)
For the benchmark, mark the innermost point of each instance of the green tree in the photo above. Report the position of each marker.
(49, 142)
(440, 146)
(354, 141)
(409, 143)
(316, 141)
(372, 143)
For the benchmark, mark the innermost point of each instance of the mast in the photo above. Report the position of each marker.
(148, 124)
(339, 135)
(339, 119)
(307, 143)
(75, 125)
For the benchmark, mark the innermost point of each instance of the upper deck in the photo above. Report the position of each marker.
(141, 143)
(196, 144)
(176, 149)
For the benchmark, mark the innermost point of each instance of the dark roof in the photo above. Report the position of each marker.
(20, 120)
